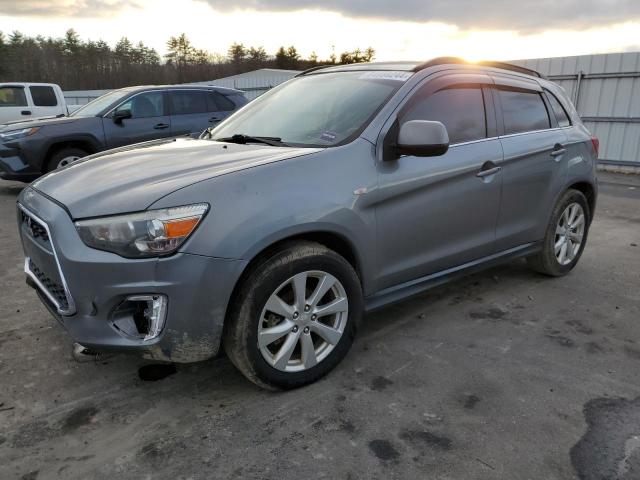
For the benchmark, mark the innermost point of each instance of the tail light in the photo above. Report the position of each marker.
(596, 145)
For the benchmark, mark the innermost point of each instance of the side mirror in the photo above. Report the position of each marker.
(422, 138)
(120, 115)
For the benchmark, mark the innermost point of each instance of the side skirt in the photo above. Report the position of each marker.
(418, 285)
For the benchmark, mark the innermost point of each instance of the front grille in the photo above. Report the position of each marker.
(53, 287)
(36, 230)
(41, 262)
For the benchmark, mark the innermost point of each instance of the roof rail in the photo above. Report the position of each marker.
(313, 69)
(457, 60)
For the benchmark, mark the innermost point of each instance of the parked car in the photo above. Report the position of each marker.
(118, 118)
(26, 101)
(336, 193)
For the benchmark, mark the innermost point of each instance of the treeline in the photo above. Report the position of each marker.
(76, 64)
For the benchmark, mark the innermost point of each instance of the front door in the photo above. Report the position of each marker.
(435, 213)
(148, 121)
(14, 104)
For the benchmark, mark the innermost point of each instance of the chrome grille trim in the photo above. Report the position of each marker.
(71, 306)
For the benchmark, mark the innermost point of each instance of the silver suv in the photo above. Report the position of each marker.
(340, 191)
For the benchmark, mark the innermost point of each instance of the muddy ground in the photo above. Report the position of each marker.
(502, 375)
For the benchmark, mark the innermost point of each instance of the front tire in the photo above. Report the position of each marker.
(294, 317)
(566, 236)
(65, 156)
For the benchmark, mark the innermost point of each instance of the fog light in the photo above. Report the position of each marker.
(141, 316)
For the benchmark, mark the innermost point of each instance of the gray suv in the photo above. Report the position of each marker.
(342, 190)
(31, 148)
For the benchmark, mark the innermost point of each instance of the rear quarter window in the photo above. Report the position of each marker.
(43, 96)
(558, 110)
(523, 111)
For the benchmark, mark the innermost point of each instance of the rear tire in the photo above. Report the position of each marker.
(569, 224)
(302, 343)
(64, 157)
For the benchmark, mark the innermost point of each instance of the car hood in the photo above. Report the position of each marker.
(130, 179)
(39, 122)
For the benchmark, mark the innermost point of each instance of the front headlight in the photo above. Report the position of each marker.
(17, 134)
(140, 235)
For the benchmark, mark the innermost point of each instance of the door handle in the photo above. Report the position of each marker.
(488, 168)
(214, 119)
(558, 150)
(161, 126)
(26, 112)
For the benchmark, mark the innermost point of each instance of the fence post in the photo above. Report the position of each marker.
(576, 93)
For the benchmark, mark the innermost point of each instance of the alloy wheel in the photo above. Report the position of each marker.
(302, 321)
(569, 233)
(67, 160)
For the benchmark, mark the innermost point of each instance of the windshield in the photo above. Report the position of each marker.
(321, 110)
(96, 106)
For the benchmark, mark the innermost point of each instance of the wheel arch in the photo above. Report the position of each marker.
(589, 191)
(88, 144)
(331, 239)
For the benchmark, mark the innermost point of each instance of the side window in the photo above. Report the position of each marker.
(43, 96)
(145, 105)
(460, 109)
(12, 97)
(216, 102)
(184, 102)
(523, 111)
(558, 110)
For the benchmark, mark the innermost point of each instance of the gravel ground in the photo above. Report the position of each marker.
(501, 375)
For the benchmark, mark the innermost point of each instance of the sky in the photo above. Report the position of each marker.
(396, 29)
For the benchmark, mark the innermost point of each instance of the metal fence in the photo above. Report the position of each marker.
(606, 92)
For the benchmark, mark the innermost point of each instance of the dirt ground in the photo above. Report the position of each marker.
(502, 375)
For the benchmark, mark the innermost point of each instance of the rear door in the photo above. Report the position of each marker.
(14, 104)
(189, 112)
(435, 213)
(45, 102)
(534, 164)
(149, 120)
(221, 106)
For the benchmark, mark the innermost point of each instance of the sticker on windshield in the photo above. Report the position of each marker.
(329, 136)
(396, 76)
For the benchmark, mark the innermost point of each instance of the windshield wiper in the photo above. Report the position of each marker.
(244, 139)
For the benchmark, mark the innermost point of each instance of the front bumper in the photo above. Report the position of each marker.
(14, 164)
(198, 289)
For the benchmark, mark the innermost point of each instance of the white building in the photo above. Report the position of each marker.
(254, 83)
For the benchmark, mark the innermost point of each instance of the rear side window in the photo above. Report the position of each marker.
(523, 111)
(43, 96)
(184, 102)
(461, 110)
(12, 97)
(216, 102)
(558, 110)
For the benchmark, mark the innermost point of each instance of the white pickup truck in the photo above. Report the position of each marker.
(26, 101)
